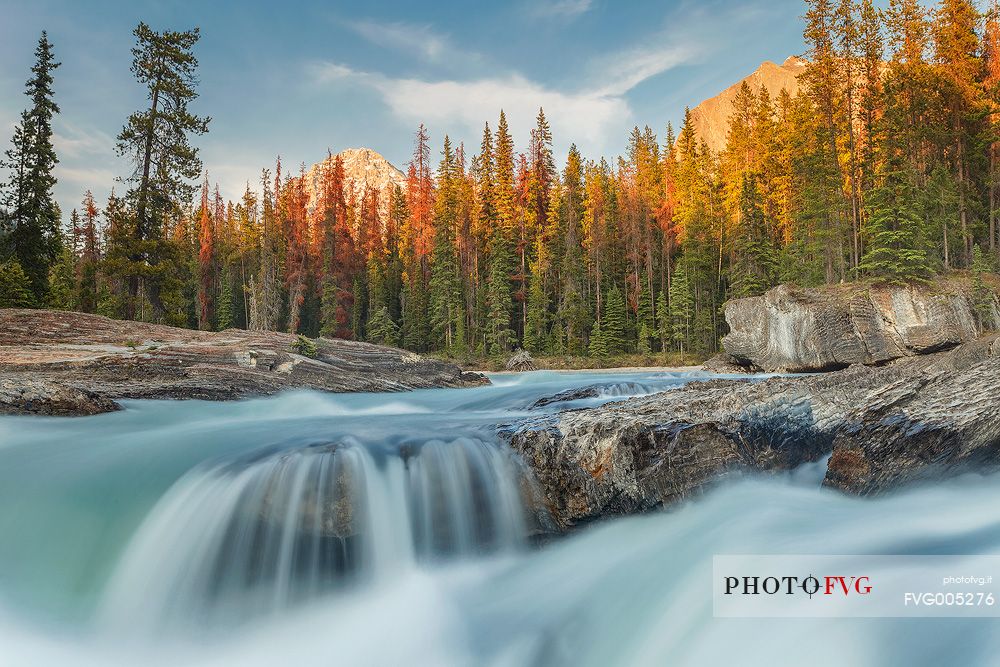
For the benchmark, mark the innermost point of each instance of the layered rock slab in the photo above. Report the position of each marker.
(51, 361)
(790, 329)
(919, 418)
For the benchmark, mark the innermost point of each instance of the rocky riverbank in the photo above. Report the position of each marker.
(65, 363)
(920, 417)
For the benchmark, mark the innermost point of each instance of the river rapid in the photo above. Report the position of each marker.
(397, 529)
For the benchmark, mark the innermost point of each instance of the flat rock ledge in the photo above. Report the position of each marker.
(65, 363)
(918, 418)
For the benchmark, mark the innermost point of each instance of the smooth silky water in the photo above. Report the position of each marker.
(394, 529)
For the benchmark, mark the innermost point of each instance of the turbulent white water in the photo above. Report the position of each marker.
(313, 529)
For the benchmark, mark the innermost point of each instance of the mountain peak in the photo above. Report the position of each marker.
(711, 117)
(363, 168)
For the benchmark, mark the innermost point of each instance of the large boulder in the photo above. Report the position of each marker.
(818, 329)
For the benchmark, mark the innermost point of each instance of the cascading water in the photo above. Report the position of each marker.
(257, 534)
(311, 529)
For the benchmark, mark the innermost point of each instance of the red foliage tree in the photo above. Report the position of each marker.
(206, 253)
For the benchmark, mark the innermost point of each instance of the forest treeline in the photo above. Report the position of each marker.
(884, 166)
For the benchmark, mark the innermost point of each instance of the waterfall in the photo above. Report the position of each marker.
(253, 535)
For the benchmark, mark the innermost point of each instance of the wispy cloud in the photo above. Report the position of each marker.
(413, 39)
(623, 71)
(565, 9)
(73, 141)
(85, 177)
(588, 115)
(591, 112)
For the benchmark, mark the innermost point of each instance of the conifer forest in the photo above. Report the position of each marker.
(883, 167)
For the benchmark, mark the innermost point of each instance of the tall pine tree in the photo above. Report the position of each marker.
(156, 141)
(32, 237)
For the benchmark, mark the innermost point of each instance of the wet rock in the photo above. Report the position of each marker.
(50, 353)
(726, 364)
(938, 424)
(917, 418)
(818, 329)
(35, 397)
(566, 396)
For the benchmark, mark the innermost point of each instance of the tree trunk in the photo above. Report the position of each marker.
(140, 212)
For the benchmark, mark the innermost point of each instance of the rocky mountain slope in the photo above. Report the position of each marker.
(56, 362)
(363, 168)
(711, 117)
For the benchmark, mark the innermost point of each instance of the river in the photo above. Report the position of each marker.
(395, 529)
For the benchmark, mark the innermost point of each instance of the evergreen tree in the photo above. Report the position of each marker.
(896, 250)
(329, 307)
(157, 142)
(645, 336)
(499, 292)
(33, 217)
(681, 306)
(824, 90)
(663, 321)
(358, 308)
(86, 288)
(956, 51)
(613, 322)
(206, 262)
(15, 286)
(224, 314)
(445, 283)
(600, 345)
(984, 300)
(381, 329)
(415, 328)
(536, 332)
(756, 253)
(645, 320)
(62, 281)
(573, 310)
(116, 262)
(393, 260)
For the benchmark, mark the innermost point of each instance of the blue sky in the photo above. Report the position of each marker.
(298, 78)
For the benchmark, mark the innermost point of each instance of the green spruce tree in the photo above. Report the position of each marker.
(613, 322)
(895, 246)
(445, 283)
(224, 313)
(536, 337)
(62, 281)
(756, 251)
(381, 329)
(15, 287)
(33, 238)
(681, 307)
(984, 299)
(599, 344)
(663, 321)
